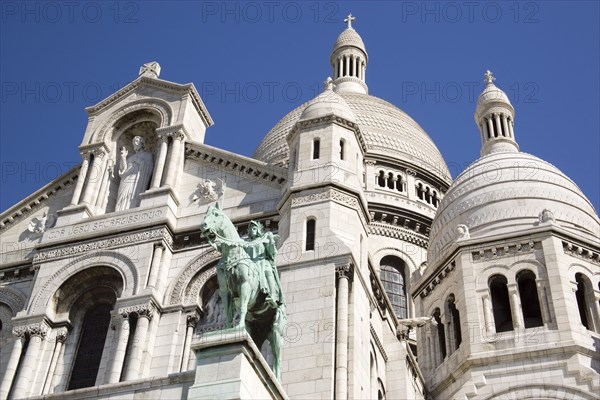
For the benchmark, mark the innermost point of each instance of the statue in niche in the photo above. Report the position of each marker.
(248, 281)
(214, 309)
(135, 171)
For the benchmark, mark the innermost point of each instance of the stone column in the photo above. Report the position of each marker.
(155, 266)
(511, 129)
(159, 166)
(102, 198)
(344, 274)
(505, 126)
(116, 366)
(515, 306)
(36, 332)
(543, 302)
(490, 127)
(191, 322)
(410, 184)
(144, 313)
(13, 364)
(498, 125)
(81, 178)
(94, 177)
(174, 159)
(490, 325)
(61, 337)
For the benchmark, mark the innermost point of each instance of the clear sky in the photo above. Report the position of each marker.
(253, 62)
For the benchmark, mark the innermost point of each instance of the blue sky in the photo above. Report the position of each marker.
(255, 61)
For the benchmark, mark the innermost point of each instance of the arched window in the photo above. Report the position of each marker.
(582, 303)
(500, 303)
(434, 199)
(91, 344)
(393, 274)
(390, 181)
(316, 149)
(399, 183)
(453, 320)
(532, 313)
(342, 143)
(441, 334)
(381, 179)
(428, 195)
(310, 234)
(419, 189)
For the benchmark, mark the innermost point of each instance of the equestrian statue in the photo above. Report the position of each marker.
(249, 284)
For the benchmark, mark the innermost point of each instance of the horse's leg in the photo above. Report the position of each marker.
(245, 292)
(226, 299)
(274, 338)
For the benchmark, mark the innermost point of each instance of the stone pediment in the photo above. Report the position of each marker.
(143, 83)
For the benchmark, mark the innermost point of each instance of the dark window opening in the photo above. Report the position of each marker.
(399, 184)
(420, 191)
(501, 304)
(532, 313)
(581, 301)
(381, 179)
(341, 149)
(316, 149)
(441, 334)
(310, 234)
(91, 345)
(455, 321)
(390, 181)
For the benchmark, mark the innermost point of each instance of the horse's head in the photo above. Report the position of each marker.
(213, 222)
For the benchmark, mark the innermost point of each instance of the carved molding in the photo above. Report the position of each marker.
(379, 344)
(13, 299)
(327, 120)
(496, 252)
(116, 241)
(398, 232)
(62, 334)
(181, 287)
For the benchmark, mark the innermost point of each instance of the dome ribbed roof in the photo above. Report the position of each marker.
(328, 102)
(503, 193)
(349, 37)
(386, 129)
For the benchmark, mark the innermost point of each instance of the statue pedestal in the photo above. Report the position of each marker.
(230, 366)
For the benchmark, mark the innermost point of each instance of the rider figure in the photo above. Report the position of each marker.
(261, 249)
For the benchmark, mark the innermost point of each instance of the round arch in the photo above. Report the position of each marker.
(13, 299)
(123, 264)
(192, 277)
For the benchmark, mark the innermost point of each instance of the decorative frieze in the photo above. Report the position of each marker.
(17, 274)
(506, 250)
(116, 241)
(37, 329)
(398, 232)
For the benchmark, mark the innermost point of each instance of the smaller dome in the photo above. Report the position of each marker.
(327, 103)
(349, 37)
(491, 96)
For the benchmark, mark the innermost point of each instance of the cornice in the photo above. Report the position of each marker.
(397, 232)
(237, 164)
(35, 201)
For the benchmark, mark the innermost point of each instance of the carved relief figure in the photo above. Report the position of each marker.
(135, 171)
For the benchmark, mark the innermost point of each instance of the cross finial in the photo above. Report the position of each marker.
(489, 78)
(349, 20)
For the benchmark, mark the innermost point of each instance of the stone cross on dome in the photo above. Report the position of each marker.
(349, 20)
(489, 78)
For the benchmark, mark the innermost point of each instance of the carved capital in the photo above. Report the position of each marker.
(179, 135)
(160, 245)
(39, 329)
(411, 172)
(192, 320)
(162, 137)
(99, 152)
(61, 334)
(344, 271)
(142, 310)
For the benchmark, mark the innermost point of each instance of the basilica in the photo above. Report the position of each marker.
(399, 281)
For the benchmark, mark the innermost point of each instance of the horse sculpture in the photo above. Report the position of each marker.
(248, 282)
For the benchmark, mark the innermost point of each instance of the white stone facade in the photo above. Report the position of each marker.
(352, 185)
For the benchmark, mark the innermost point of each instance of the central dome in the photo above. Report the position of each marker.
(387, 131)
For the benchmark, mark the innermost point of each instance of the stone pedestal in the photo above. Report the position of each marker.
(230, 366)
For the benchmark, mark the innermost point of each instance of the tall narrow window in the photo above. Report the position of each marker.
(453, 319)
(381, 179)
(532, 313)
(393, 279)
(500, 303)
(316, 149)
(390, 181)
(342, 149)
(441, 334)
(310, 234)
(399, 183)
(582, 304)
(419, 189)
(91, 344)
